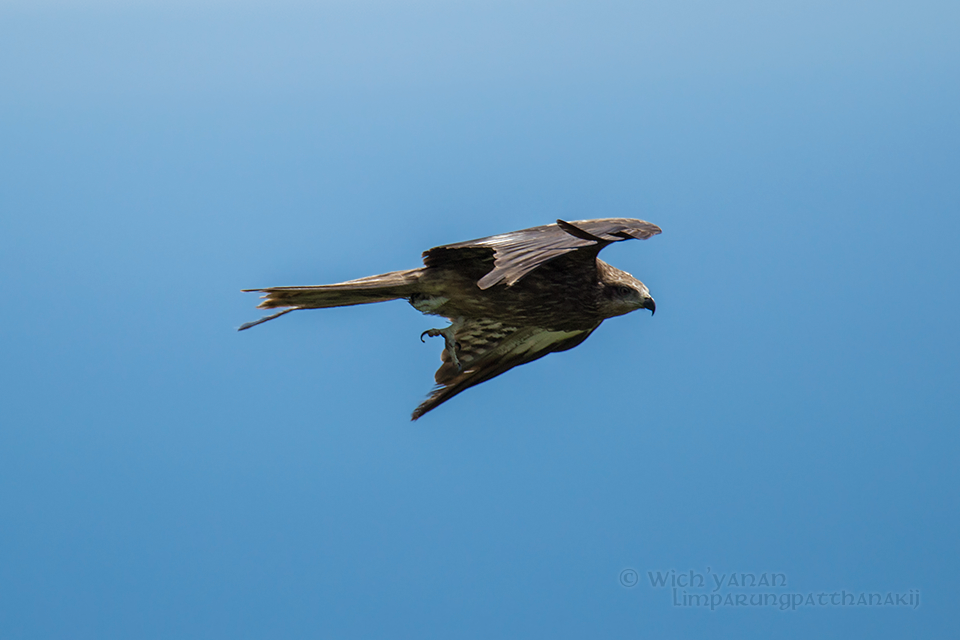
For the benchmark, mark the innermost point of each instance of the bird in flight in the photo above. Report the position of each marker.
(510, 298)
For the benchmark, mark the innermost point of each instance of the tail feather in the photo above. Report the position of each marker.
(379, 288)
(247, 325)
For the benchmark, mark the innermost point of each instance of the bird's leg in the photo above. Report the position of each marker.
(449, 336)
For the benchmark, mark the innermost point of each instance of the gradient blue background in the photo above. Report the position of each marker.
(793, 406)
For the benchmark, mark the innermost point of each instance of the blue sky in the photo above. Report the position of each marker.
(792, 408)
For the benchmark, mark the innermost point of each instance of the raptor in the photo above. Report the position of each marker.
(510, 298)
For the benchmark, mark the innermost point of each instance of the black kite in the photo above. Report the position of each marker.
(510, 298)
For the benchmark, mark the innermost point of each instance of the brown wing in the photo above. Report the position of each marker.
(513, 255)
(486, 348)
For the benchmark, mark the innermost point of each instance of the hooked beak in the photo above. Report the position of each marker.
(650, 304)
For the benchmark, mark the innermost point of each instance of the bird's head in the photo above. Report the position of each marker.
(622, 293)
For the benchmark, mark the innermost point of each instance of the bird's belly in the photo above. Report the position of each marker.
(512, 307)
(430, 305)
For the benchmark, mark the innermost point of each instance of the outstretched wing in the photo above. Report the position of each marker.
(517, 253)
(486, 348)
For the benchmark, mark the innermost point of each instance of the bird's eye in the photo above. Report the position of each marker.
(624, 291)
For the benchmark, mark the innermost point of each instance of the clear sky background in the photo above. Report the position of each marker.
(792, 408)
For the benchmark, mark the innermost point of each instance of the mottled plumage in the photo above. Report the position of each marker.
(511, 298)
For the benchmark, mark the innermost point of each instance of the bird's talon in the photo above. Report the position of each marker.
(451, 345)
(433, 333)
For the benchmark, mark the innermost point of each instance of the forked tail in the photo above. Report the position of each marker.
(380, 288)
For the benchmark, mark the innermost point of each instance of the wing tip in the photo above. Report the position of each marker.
(630, 228)
(418, 413)
(577, 232)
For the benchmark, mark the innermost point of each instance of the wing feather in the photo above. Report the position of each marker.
(519, 252)
(486, 348)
